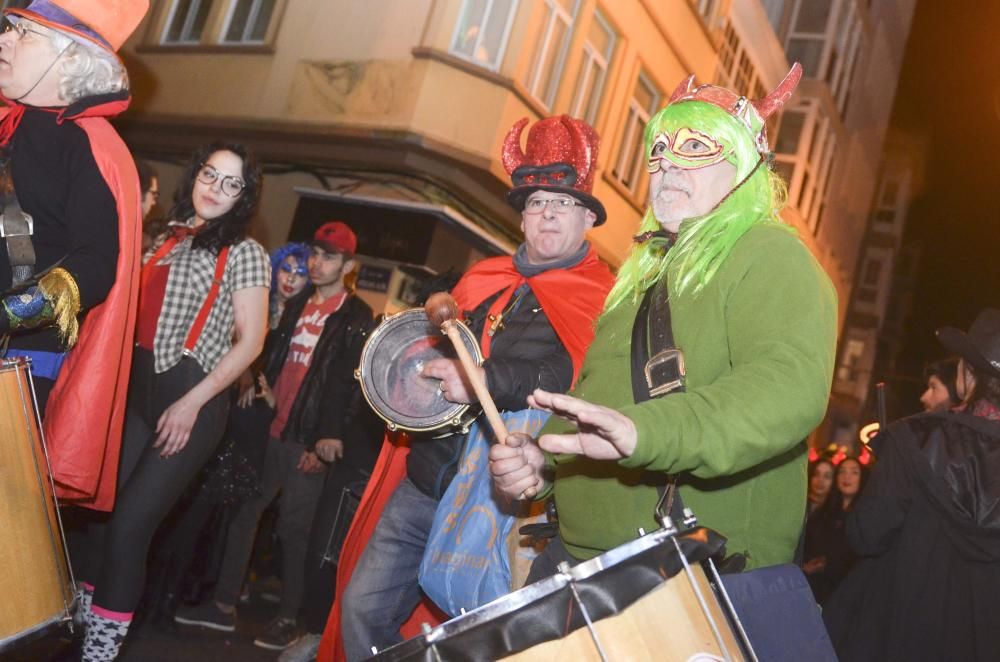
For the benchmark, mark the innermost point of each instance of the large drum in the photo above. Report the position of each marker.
(34, 575)
(649, 599)
(391, 379)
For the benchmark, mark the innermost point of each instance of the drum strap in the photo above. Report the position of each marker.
(16, 225)
(657, 370)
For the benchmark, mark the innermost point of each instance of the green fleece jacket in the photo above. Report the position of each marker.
(758, 344)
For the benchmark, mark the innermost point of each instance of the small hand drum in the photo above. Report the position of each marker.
(390, 374)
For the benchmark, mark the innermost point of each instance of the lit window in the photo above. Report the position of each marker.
(482, 31)
(597, 53)
(825, 36)
(186, 21)
(550, 53)
(248, 21)
(628, 165)
(804, 155)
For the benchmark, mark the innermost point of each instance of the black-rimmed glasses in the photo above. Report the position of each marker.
(231, 185)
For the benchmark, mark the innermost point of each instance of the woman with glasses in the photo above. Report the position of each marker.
(202, 320)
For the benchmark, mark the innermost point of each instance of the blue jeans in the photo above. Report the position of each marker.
(383, 590)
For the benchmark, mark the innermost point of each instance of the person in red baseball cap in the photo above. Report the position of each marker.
(310, 360)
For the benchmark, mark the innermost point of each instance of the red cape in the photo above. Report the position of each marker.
(86, 409)
(573, 319)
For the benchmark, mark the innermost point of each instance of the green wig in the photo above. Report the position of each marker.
(704, 242)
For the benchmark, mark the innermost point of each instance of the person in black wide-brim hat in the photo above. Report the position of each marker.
(927, 527)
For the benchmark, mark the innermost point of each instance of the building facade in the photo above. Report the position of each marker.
(389, 114)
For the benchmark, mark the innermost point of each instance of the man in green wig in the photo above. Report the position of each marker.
(754, 318)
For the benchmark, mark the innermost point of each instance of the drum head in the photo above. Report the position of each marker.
(390, 372)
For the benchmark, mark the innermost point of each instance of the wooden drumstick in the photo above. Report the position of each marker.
(442, 311)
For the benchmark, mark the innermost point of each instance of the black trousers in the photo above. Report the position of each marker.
(149, 485)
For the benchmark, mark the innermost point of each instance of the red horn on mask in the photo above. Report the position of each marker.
(780, 95)
(511, 154)
(683, 88)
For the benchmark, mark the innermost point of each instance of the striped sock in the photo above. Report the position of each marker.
(106, 631)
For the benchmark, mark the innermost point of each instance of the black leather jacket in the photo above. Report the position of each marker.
(329, 395)
(524, 355)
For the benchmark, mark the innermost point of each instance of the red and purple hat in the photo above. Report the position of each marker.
(560, 156)
(107, 23)
(336, 237)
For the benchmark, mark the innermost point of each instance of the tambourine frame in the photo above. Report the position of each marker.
(456, 417)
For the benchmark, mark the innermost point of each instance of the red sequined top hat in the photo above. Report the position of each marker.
(336, 237)
(107, 23)
(751, 113)
(561, 156)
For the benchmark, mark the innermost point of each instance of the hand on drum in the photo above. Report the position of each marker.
(330, 450)
(454, 386)
(601, 432)
(517, 466)
(174, 427)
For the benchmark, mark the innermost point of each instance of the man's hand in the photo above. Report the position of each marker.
(309, 463)
(601, 433)
(517, 467)
(455, 385)
(330, 450)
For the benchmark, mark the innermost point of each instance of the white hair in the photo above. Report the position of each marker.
(86, 69)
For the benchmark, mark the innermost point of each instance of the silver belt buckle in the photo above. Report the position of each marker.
(25, 230)
(666, 356)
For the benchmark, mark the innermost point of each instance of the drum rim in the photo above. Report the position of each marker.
(38, 631)
(455, 414)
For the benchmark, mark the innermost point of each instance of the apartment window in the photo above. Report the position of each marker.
(804, 155)
(843, 54)
(736, 70)
(248, 21)
(707, 9)
(629, 162)
(848, 371)
(597, 53)
(482, 31)
(775, 10)
(550, 53)
(187, 21)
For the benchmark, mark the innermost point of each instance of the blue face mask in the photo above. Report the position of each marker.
(298, 270)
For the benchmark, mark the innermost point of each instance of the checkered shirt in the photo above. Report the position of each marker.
(191, 273)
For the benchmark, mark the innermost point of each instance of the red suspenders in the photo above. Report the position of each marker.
(213, 291)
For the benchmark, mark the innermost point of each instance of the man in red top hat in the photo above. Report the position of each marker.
(71, 228)
(533, 313)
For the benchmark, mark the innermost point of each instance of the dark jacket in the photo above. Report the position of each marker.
(329, 395)
(927, 529)
(525, 354)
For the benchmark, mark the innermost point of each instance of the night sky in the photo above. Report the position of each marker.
(950, 92)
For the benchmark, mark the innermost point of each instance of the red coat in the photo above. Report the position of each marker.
(86, 408)
(572, 317)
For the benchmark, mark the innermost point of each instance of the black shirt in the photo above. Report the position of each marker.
(57, 181)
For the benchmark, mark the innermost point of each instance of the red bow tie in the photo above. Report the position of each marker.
(181, 232)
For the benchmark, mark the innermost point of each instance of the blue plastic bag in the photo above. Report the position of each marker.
(466, 563)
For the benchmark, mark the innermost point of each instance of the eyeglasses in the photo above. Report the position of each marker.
(559, 205)
(20, 28)
(231, 185)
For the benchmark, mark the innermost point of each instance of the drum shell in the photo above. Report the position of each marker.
(33, 564)
(638, 615)
(389, 374)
